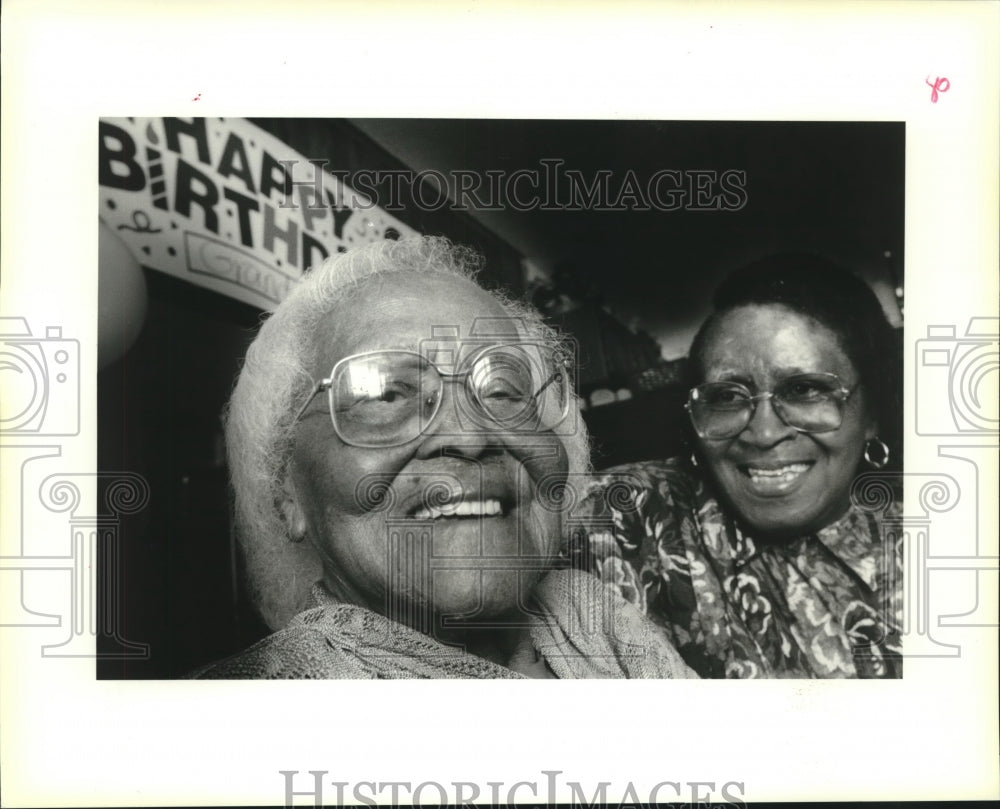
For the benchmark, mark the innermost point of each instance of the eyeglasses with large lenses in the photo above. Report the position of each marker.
(809, 403)
(386, 398)
(378, 398)
(514, 388)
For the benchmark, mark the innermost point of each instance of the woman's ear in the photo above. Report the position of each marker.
(291, 510)
(870, 415)
(872, 430)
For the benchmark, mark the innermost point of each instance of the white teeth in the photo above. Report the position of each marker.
(783, 470)
(783, 474)
(464, 508)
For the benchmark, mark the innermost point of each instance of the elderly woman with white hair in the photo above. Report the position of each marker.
(400, 442)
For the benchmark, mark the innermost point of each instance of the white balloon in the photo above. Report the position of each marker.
(122, 298)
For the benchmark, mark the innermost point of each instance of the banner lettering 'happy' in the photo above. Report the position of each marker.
(223, 204)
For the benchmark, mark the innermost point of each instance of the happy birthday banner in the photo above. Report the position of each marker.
(223, 204)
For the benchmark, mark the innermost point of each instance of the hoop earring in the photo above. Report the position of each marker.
(883, 453)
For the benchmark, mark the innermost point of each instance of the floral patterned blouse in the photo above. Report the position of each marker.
(826, 605)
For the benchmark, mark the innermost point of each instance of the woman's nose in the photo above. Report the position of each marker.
(454, 431)
(766, 428)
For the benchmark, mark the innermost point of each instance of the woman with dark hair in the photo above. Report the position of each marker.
(752, 553)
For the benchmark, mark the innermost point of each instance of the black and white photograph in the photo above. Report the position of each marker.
(462, 346)
(559, 273)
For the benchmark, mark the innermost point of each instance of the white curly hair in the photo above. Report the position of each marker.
(274, 381)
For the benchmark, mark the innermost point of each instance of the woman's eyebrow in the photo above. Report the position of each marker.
(735, 376)
(370, 347)
(795, 370)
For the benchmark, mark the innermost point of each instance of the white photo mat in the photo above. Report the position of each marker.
(69, 739)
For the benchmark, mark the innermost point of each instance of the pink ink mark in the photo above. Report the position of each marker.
(939, 84)
(197, 97)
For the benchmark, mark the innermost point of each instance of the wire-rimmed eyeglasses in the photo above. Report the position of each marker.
(809, 403)
(389, 397)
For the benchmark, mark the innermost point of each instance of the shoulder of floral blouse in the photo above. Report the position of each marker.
(862, 522)
(670, 477)
(651, 470)
(612, 507)
(860, 534)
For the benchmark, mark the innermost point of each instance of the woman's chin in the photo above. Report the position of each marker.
(786, 520)
(461, 599)
(774, 506)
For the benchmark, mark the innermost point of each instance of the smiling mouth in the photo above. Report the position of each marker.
(489, 507)
(774, 476)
